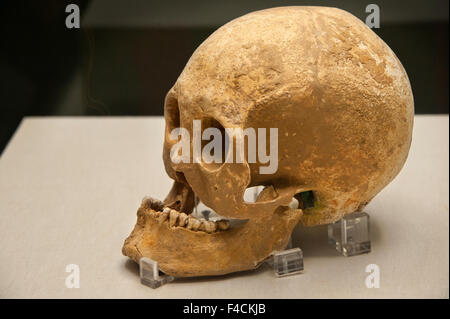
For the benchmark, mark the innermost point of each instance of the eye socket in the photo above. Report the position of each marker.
(172, 113)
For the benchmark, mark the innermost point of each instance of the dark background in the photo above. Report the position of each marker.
(128, 53)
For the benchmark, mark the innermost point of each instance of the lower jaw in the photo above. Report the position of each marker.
(185, 249)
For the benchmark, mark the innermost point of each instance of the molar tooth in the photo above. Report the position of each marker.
(193, 223)
(166, 210)
(163, 216)
(190, 222)
(210, 226)
(202, 226)
(182, 220)
(173, 217)
(223, 224)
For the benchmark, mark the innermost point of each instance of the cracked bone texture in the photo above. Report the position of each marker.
(342, 104)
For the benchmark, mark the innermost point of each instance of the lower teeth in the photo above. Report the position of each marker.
(207, 221)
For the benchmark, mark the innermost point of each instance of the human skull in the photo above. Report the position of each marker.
(343, 107)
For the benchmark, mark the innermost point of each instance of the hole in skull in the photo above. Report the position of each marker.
(214, 140)
(303, 200)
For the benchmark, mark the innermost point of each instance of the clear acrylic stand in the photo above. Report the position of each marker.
(351, 235)
(151, 275)
(287, 262)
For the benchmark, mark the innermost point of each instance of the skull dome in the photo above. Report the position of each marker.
(343, 108)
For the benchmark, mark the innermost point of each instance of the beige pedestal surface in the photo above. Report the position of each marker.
(70, 188)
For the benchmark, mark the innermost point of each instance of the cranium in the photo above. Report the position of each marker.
(342, 104)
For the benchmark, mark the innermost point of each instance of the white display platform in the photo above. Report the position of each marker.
(70, 188)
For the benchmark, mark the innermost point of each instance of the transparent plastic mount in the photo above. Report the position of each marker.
(351, 235)
(287, 262)
(151, 275)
